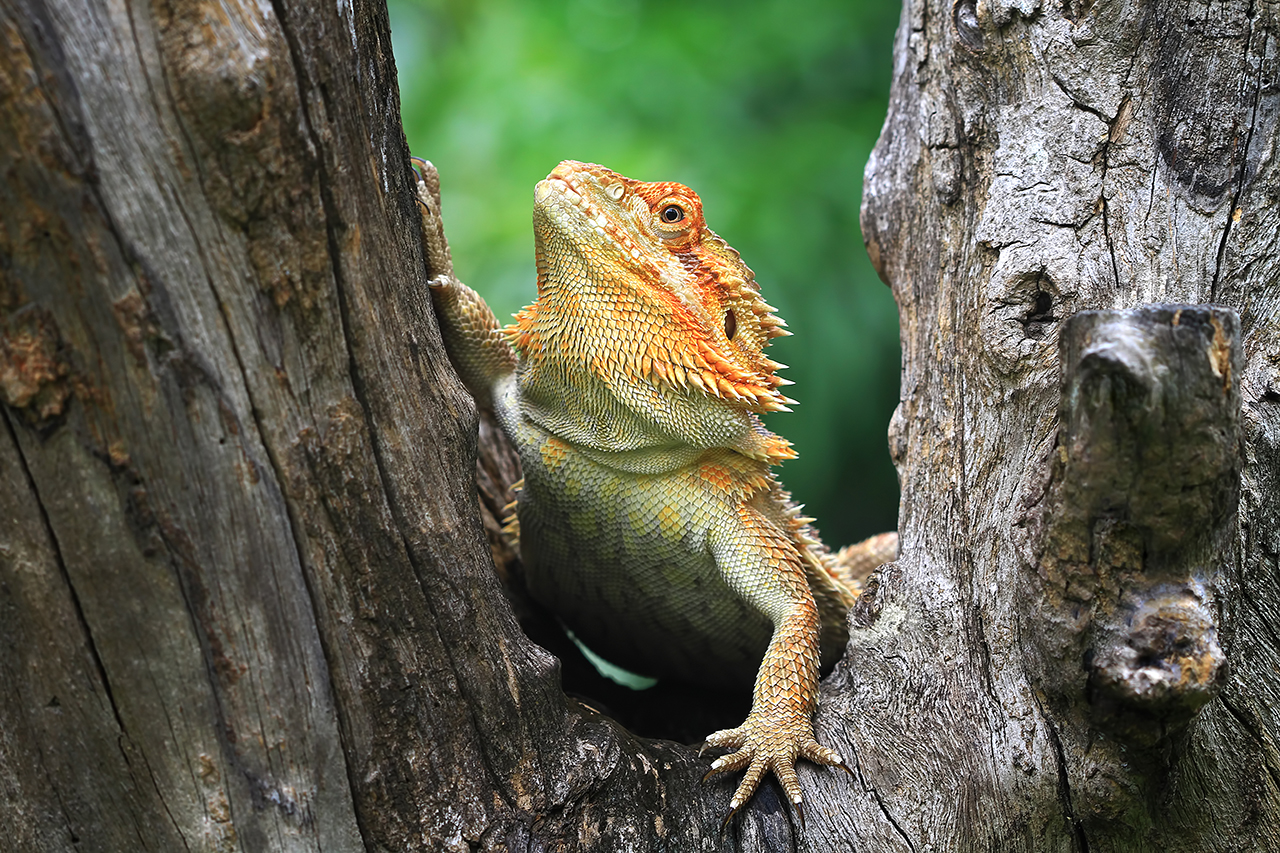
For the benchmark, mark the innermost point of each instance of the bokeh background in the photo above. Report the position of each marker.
(768, 110)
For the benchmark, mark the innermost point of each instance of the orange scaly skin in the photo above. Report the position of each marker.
(649, 519)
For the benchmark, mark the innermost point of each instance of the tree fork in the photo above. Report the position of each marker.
(246, 601)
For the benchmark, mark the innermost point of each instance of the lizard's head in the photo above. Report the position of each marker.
(636, 285)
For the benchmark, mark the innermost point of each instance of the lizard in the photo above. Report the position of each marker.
(649, 518)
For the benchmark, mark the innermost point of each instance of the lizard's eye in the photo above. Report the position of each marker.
(730, 324)
(672, 213)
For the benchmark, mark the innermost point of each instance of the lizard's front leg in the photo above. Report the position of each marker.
(761, 564)
(472, 336)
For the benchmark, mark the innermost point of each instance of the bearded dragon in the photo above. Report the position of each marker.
(649, 518)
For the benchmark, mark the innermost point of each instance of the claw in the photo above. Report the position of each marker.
(435, 247)
(428, 178)
(725, 823)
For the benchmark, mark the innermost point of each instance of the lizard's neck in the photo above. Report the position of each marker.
(583, 381)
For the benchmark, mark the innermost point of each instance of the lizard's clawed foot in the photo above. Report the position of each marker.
(435, 247)
(472, 335)
(768, 744)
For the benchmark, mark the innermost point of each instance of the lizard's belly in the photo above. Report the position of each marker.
(624, 560)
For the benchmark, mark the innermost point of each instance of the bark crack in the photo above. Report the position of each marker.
(1151, 198)
(256, 782)
(163, 70)
(86, 631)
(1111, 244)
(1079, 104)
(979, 629)
(1244, 155)
(56, 550)
(1081, 841)
(151, 92)
(875, 795)
(1102, 158)
(169, 534)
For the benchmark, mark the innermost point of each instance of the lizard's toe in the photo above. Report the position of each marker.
(431, 226)
(786, 773)
(730, 738)
(751, 781)
(729, 763)
(819, 754)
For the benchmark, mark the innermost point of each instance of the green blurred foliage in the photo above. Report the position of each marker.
(768, 110)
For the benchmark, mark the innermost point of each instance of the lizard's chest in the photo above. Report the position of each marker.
(624, 560)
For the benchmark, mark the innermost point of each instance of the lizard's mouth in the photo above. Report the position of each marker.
(572, 189)
(565, 181)
(575, 205)
(545, 188)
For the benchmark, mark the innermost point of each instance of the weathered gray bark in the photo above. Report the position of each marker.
(246, 602)
(245, 599)
(1046, 669)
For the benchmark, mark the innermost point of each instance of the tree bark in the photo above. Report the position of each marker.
(247, 601)
(1089, 525)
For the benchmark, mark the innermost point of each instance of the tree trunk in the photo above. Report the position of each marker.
(1046, 671)
(246, 600)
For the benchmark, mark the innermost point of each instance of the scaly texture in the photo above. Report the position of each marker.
(649, 517)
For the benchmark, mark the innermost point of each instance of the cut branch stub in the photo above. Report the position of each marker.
(1140, 515)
